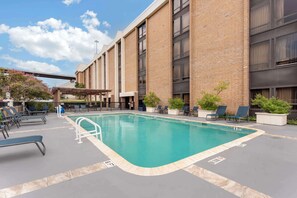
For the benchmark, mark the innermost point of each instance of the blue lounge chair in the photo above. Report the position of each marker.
(242, 112)
(37, 139)
(164, 110)
(221, 111)
(34, 112)
(158, 108)
(3, 130)
(10, 117)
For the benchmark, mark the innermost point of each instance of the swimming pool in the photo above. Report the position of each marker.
(149, 142)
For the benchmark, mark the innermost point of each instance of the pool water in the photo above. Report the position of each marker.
(146, 141)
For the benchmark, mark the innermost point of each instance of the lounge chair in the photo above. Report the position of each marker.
(30, 112)
(186, 110)
(3, 130)
(221, 111)
(158, 108)
(76, 108)
(83, 108)
(242, 112)
(164, 110)
(24, 140)
(27, 117)
(10, 118)
(194, 111)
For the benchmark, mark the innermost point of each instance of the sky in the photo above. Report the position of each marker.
(54, 36)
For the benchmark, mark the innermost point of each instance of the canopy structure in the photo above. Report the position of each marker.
(58, 91)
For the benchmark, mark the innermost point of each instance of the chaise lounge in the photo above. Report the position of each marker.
(20, 117)
(242, 112)
(37, 139)
(221, 110)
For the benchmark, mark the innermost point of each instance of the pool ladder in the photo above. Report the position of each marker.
(79, 135)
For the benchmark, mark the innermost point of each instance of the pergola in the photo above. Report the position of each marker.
(58, 91)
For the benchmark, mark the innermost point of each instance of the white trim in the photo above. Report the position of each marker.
(127, 94)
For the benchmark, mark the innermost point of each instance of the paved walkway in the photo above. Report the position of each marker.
(262, 167)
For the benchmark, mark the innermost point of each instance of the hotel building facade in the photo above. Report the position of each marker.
(180, 48)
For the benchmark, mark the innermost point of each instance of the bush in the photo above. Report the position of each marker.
(176, 103)
(272, 105)
(292, 122)
(211, 101)
(151, 100)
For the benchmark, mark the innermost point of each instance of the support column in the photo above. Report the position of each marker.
(57, 97)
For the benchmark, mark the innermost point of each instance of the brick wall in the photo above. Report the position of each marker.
(159, 68)
(219, 49)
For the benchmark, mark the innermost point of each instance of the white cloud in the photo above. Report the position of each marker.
(57, 40)
(32, 65)
(106, 24)
(69, 2)
(89, 19)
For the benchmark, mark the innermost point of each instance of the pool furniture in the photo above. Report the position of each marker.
(3, 130)
(83, 108)
(9, 117)
(30, 112)
(158, 109)
(27, 117)
(45, 108)
(186, 110)
(36, 139)
(242, 112)
(194, 111)
(221, 111)
(164, 110)
(76, 108)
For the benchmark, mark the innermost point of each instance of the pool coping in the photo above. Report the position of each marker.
(174, 166)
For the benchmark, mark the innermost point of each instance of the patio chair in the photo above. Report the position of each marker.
(45, 108)
(84, 108)
(76, 108)
(37, 139)
(30, 112)
(164, 110)
(221, 111)
(158, 109)
(27, 117)
(194, 111)
(12, 119)
(3, 130)
(242, 112)
(186, 110)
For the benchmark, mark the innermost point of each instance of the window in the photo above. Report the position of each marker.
(185, 3)
(286, 11)
(142, 60)
(185, 22)
(259, 56)
(260, 15)
(176, 25)
(176, 50)
(185, 47)
(186, 73)
(142, 31)
(176, 72)
(119, 68)
(176, 6)
(288, 94)
(286, 49)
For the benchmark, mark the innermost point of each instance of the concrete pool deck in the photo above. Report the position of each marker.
(262, 167)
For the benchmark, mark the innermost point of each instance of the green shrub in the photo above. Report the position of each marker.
(292, 122)
(176, 103)
(151, 100)
(1, 117)
(210, 101)
(272, 105)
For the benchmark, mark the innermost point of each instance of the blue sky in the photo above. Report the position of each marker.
(54, 36)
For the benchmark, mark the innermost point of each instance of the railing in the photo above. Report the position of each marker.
(79, 135)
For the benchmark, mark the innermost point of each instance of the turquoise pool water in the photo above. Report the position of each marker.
(151, 142)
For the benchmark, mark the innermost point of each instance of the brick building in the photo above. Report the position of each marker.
(179, 48)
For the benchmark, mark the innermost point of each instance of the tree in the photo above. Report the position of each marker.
(79, 85)
(22, 87)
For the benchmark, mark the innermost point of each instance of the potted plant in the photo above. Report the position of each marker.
(151, 101)
(210, 101)
(175, 105)
(275, 110)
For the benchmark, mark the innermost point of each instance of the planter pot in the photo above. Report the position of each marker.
(202, 113)
(271, 119)
(173, 111)
(150, 109)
